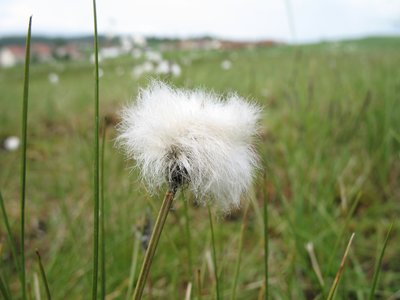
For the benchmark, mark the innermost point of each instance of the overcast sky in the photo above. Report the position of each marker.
(312, 20)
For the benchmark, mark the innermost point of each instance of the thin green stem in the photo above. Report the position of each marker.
(96, 161)
(4, 289)
(342, 232)
(198, 284)
(43, 274)
(266, 242)
(188, 237)
(378, 265)
(102, 216)
(239, 257)
(132, 271)
(214, 253)
(23, 154)
(335, 283)
(151, 249)
(9, 234)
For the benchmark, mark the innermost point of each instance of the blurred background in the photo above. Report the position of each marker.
(326, 73)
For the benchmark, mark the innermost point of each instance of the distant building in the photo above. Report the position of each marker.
(199, 44)
(11, 55)
(214, 44)
(68, 52)
(41, 52)
(14, 54)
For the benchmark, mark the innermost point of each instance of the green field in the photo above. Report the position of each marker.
(330, 145)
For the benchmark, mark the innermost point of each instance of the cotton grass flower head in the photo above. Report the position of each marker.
(54, 78)
(192, 138)
(11, 143)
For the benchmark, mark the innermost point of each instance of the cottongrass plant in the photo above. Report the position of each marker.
(192, 139)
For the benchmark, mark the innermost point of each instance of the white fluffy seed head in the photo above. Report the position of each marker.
(203, 138)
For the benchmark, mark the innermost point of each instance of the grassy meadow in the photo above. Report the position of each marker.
(330, 145)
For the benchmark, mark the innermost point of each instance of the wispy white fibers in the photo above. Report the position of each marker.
(206, 139)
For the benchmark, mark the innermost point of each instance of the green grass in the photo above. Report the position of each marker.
(96, 162)
(43, 275)
(24, 130)
(330, 137)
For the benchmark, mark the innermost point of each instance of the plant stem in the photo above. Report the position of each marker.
(239, 257)
(198, 284)
(151, 249)
(214, 253)
(266, 244)
(188, 237)
(23, 154)
(342, 232)
(4, 289)
(340, 271)
(378, 264)
(9, 234)
(44, 278)
(132, 271)
(96, 161)
(102, 235)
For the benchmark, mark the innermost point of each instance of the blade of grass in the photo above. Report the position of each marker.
(379, 264)
(266, 242)
(214, 253)
(342, 231)
(340, 271)
(43, 274)
(151, 249)
(102, 216)
(240, 248)
(9, 234)
(96, 161)
(188, 237)
(132, 271)
(4, 289)
(188, 293)
(36, 287)
(198, 284)
(314, 263)
(23, 154)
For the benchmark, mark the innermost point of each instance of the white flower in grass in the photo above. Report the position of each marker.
(139, 70)
(192, 138)
(11, 143)
(163, 67)
(54, 78)
(176, 70)
(153, 56)
(226, 64)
